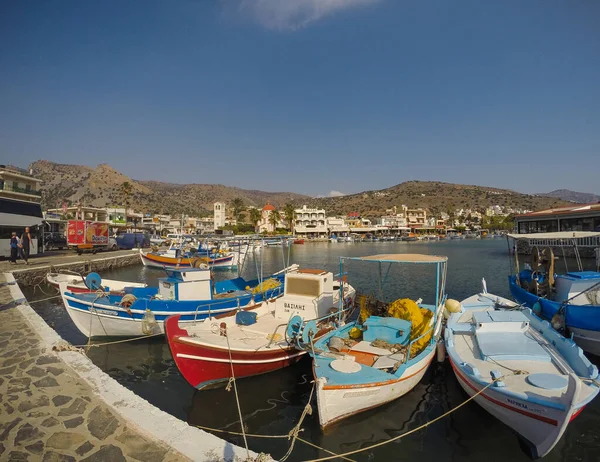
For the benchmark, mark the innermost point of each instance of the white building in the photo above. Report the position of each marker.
(310, 222)
(337, 225)
(219, 209)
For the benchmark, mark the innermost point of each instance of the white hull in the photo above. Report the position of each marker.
(338, 403)
(540, 426)
(76, 283)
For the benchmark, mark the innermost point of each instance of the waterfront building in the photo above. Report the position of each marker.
(337, 225)
(310, 222)
(219, 215)
(205, 225)
(265, 225)
(416, 216)
(80, 212)
(575, 217)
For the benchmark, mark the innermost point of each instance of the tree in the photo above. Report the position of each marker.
(126, 190)
(274, 218)
(254, 215)
(289, 214)
(237, 206)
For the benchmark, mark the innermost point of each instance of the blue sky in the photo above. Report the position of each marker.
(310, 96)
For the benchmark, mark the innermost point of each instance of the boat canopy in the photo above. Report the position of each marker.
(557, 235)
(402, 257)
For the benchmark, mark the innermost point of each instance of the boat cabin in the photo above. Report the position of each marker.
(572, 284)
(308, 293)
(185, 284)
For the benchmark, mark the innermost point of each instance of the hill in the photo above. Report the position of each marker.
(572, 196)
(433, 195)
(103, 186)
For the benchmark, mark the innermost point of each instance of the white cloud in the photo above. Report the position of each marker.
(294, 14)
(336, 194)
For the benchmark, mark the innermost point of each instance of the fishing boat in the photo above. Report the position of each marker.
(253, 340)
(571, 301)
(188, 292)
(375, 359)
(527, 375)
(76, 283)
(176, 257)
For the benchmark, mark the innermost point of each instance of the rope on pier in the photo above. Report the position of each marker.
(90, 345)
(252, 435)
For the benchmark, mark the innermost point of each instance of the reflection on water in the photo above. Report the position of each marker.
(272, 404)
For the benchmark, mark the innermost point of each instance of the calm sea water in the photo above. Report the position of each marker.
(272, 404)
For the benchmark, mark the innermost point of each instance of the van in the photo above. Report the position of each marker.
(133, 240)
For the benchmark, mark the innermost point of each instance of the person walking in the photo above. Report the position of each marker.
(14, 248)
(26, 245)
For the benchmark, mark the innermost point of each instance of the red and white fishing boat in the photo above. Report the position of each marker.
(77, 284)
(253, 341)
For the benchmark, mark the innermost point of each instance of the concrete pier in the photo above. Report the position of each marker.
(56, 405)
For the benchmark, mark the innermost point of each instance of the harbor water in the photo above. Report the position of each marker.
(272, 404)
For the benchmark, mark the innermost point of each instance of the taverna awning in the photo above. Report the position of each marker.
(557, 235)
(402, 257)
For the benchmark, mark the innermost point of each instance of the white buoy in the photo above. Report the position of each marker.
(441, 351)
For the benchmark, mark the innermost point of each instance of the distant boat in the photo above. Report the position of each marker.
(538, 381)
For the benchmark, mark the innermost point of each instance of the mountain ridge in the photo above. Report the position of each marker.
(104, 186)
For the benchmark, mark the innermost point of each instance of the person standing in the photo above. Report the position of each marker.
(14, 248)
(26, 245)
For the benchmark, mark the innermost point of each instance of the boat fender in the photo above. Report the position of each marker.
(441, 351)
(336, 344)
(127, 301)
(451, 306)
(149, 322)
(537, 308)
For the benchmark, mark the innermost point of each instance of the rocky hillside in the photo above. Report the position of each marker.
(433, 195)
(572, 196)
(104, 186)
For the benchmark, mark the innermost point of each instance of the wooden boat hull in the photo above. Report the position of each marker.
(206, 366)
(339, 402)
(541, 427)
(160, 261)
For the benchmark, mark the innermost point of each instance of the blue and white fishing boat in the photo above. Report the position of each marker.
(570, 300)
(375, 359)
(537, 381)
(188, 292)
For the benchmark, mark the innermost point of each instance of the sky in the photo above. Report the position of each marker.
(319, 97)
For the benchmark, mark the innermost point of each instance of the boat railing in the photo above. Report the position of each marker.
(408, 354)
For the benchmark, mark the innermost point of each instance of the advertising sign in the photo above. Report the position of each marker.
(81, 232)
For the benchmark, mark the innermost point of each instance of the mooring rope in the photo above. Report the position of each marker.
(414, 430)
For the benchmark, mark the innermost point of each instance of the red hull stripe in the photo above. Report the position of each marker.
(500, 403)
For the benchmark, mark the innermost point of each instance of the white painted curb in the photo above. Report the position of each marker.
(190, 441)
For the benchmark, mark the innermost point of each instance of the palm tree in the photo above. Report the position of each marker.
(237, 205)
(126, 189)
(274, 218)
(254, 215)
(289, 213)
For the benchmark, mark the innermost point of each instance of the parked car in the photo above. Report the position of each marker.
(112, 244)
(133, 240)
(54, 241)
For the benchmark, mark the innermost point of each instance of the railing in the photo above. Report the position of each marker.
(580, 242)
(16, 189)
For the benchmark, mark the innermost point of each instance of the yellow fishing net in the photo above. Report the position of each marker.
(420, 318)
(267, 284)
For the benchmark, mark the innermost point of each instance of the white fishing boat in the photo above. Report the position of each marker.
(375, 359)
(76, 283)
(528, 376)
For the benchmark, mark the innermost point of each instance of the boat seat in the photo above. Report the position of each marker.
(510, 346)
(463, 328)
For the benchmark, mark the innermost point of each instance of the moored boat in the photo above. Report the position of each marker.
(376, 359)
(172, 258)
(76, 283)
(527, 375)
(254, 341)
(571, 300)
(189, 292)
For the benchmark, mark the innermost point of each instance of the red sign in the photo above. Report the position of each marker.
(87, 232)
